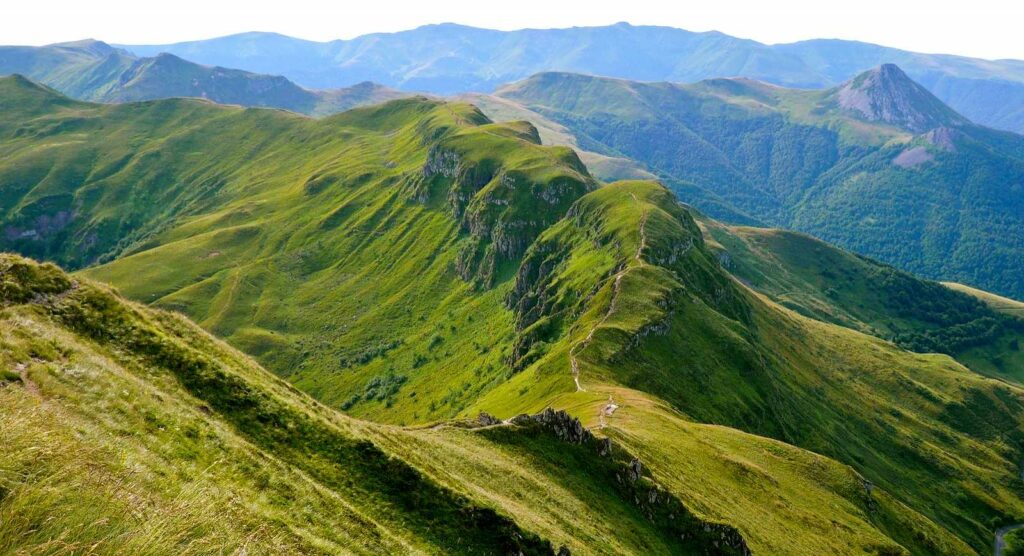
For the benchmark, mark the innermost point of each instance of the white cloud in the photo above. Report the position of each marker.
(983, 28)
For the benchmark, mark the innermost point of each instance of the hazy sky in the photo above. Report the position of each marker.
(983, 28)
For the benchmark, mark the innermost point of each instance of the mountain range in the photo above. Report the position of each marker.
(478, 346)
(877, 164)
(450, 58)
(92, 70)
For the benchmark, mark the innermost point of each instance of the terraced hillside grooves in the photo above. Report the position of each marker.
(162, 355)
(309, 254)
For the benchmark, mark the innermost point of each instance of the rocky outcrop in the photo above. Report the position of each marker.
(503, 208)
(885, 94)
(485, 419)
(630, 479)
(563, 426)
(944, 138)
(913, 157)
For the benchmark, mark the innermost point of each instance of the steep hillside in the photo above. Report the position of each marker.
(414, 262)
(302, 241)
(451, 58)
(663, 318)
(832, 285)
(876, 165)
(129, 429)
(95, 71)
(1002, 304)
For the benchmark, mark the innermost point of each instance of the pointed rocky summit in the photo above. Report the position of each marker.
(885, 94)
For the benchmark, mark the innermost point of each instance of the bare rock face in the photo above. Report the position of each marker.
(486, 419)
(564, 426)
(885, 94)
(943, 138)
(912, 157)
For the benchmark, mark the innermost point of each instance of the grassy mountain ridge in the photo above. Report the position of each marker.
(448, 196)
(188, 429)
(414, 262)
(999, 303)
(450, 58)
(839, 164)
(89, 382)
(94, 71)
(71, 335)
(668, 323)
(832, 285)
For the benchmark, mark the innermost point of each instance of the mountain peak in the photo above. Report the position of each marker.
(20, 83)
(886, 94)
(21, 93)
(91, 46)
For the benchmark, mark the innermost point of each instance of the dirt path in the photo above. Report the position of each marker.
(643, 234)
(30, 386)
(638, 258)
(1000, 543)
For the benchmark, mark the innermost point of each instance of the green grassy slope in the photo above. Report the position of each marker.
(183, 431)
(128, 428)
(1002, 304)
(350, 265)
(94, 71)
(414, 262)
(664, 319)
(876, 165)
(832, 285)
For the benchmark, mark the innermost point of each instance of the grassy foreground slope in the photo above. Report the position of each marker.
(127, 428)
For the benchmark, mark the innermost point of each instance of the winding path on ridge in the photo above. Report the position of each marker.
(1000, 543)
(573, 362)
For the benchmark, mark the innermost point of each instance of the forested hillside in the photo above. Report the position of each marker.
(877, 165)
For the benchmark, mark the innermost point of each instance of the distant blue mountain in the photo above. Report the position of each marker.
(94, 71)
(450, 58)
